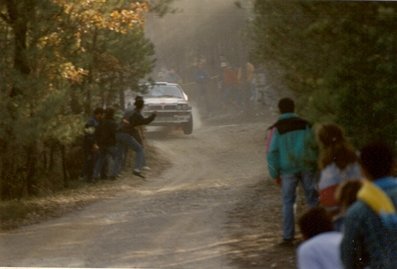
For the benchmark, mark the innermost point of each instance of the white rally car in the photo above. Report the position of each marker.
(171, 104)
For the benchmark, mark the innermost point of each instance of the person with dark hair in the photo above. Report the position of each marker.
(370, 229)
(90, 146)
(338, 162)
(136, 119)
(345, 196)
(292, 158)
(286, 105)
(129, 136)
(106, 139)
(321, 245)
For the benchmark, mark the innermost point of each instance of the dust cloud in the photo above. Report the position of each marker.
(201, 34)
(197, 118)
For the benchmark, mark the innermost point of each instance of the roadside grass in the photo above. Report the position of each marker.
(16, 213)
(27, 211)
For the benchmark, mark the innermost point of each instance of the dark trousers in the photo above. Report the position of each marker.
(90, 159)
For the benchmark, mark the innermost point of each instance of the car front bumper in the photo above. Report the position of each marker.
(169, 118)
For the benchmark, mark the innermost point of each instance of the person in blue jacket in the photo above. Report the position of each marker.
(292, 158)
(370, 226)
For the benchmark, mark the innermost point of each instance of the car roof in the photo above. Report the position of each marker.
(159, 83)
(166, 83)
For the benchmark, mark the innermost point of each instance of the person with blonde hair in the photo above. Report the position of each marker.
(338, 162)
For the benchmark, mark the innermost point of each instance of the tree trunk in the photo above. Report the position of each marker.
(31, 160)
(90, 78)
(19, 24)
(74, 101)
(64, 166)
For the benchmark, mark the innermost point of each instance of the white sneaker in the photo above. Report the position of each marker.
(146, 168)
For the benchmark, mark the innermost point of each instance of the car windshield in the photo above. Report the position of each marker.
(164, 91)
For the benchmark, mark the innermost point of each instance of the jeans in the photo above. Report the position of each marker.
(122, 156)
(126, 141)
(109, 154)
(289, 184)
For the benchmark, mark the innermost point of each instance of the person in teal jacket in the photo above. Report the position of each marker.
(292, 158)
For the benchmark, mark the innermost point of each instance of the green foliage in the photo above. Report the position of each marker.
(162, 7)
(56, 59)
(120, 61)
(339, 57)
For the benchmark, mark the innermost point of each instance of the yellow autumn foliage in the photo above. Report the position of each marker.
(72, 73)
(94, 14)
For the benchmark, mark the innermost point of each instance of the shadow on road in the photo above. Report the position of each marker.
(254, 228)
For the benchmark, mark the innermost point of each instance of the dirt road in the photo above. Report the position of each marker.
(212, 208)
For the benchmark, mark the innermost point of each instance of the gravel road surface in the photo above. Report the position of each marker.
(213, 207)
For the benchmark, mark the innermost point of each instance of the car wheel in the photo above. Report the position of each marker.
(188, 126)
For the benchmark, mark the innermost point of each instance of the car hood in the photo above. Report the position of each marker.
(167, 100)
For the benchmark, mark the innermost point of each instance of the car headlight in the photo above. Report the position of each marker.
(182, 106)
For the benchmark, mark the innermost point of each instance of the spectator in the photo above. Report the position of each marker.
(106, 138)
(370, 231)
(129, 137)
(345, 196)
(245, 76)
(118, 112)
(321, 245)
(229, 86)
(139, 121)
(90, 146)
(162, 74)
(292, 159)
(201, 78)
(338, 162)
(122, 132)
(173, 76)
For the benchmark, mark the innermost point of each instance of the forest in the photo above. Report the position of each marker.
(338, 57)
(62, 58)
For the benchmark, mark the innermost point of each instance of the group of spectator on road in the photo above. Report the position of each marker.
(352, 195)
(226, 88)
(238, 85)
(107, 141)
(235, 87)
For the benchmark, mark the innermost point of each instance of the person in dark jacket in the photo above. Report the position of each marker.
(106, 139)
(90, 146)
(129, 136)
(136, 119)
(292, 158)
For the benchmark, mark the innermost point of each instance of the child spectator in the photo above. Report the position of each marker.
(321, 248)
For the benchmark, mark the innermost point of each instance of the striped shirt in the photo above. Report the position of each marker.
(331, 176)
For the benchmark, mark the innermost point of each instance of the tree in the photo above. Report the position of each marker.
(338, 57)
(57, 51)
